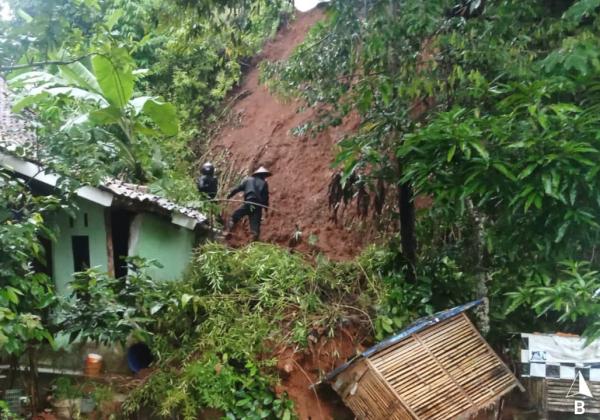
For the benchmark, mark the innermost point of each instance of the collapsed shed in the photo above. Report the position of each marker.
(440, 367)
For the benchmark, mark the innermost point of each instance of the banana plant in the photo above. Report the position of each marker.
(105, 98)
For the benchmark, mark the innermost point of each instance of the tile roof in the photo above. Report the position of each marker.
(16, 131)
(140, 194)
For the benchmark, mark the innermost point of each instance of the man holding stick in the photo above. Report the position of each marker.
(256, 198)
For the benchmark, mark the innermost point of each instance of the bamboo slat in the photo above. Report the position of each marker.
(442, 372)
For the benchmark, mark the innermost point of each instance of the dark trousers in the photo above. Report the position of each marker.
(254, 214)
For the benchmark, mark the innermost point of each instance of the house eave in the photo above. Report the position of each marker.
(101, 196)
(34, 171)
(183, 221)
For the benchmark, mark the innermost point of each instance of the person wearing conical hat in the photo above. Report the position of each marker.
(256, 198)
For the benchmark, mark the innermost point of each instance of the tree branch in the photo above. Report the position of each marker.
(44, 63)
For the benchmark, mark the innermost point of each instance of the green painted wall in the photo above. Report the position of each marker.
(156, 238)
(62, 252)
(151, 237)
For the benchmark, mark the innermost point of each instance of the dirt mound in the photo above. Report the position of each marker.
(301, 166)
(299, 370)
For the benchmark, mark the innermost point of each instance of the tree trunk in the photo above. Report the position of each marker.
(33, 379)
(139, 173)
(13, 371)
(408, 237)
(483, 277)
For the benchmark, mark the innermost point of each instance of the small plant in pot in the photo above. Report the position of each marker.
(66, 399)
(104, 399)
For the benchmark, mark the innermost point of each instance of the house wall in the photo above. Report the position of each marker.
(153, 237)
(62, 252)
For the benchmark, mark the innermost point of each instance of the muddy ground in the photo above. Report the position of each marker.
(261, 134)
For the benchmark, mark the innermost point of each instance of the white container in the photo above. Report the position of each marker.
(67, 409)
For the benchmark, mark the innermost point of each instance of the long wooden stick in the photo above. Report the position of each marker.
(229, 200)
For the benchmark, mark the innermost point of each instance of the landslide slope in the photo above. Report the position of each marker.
(260, 134)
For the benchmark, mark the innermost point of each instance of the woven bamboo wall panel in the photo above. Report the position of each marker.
(439, 368)
(419, 380)
(444, 371)
(468, 359)
(368, 396)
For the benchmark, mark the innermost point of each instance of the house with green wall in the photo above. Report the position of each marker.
(111, 221)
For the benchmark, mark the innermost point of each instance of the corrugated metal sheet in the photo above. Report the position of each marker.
(16, 131)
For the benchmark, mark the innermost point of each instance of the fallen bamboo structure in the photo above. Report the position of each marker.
(438, 368)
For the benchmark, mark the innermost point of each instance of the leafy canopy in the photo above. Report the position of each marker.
(493, 115)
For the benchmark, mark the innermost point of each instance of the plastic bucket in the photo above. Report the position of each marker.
(93, 364)
(139, 357)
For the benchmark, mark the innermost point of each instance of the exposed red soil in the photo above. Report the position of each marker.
(299, 370)
(301, 167)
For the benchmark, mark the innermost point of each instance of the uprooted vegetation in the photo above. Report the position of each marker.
(241, 321)
(216, 332)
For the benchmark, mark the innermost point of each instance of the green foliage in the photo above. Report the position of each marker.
(102, 99)
(65, 389)
(195, 53)
(41, 28)
(494, 117)
(203, 57)
(573, 295)
(441, 285)
(231, 299)
(108, 310)
(102, 394)
(26, 296)
(236, 388)
(214, 333)
(5, 413)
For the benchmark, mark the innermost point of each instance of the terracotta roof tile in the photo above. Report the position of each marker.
(14, 130)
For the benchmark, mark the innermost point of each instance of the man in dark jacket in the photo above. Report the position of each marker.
(207, 183)
(256, 198)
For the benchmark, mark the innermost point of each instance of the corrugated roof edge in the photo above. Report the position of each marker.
(419, 325)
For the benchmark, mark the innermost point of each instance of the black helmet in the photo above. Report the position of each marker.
(207, 169)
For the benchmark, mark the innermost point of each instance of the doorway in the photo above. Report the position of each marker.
(120, 223)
